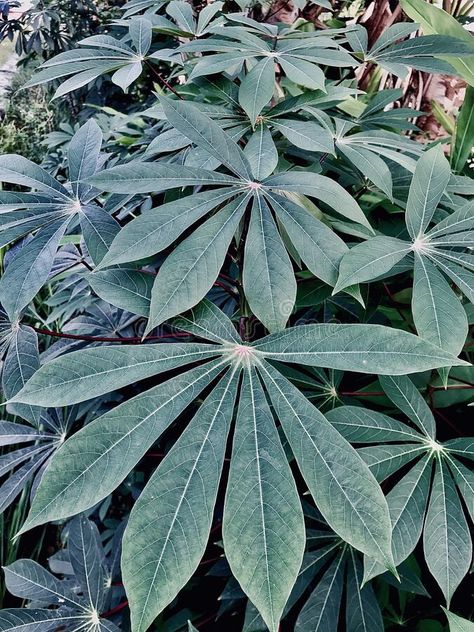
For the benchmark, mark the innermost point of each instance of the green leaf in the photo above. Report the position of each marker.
(29, 270)
(322, 188)
(257, 88)
(385, 460)
(140, 32)
(83, 156)
(146, 177)
(407, 504)
(321, 612)
(262, 508)
(458, 624)
(404, 394)
(261, 152)
(435, 20)
(95, 460)
(303, 72)
(207, 134)
(464, 133)
(15, 169)
(361, 425)
(19, 364)
(362, 610)
(156, 229)
(465, 481)
(168, 529)
(28, 580)
(438, 314)
(370, 259)
(127, 289)
(126, 75)
(361, 348)
(34, 620)
(462, 277)
(370, 165)
(98, 229)
(191, 269)
(87, 373)
(305, 135)
(430, 180)
(209, 322)
(317, 245)
(344, 490)
(268, 277)
(447, 540)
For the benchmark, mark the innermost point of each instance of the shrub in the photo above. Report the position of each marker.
(260, 267)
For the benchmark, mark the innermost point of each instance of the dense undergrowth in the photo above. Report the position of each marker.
(236, 297)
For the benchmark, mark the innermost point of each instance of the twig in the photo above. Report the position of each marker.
(163, 81)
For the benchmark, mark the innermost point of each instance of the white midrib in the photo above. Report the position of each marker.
(326, 598)
(446, 539)
(77, 604)
(183, 494)
(264, 250)
(260, 492)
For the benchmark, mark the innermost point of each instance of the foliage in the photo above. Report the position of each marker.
(51, 26)
(27, 118)
(254, 237)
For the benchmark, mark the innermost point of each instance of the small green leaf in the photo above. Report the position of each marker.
(257, 88)
(430, 180)
(370, 259)
(268, 277)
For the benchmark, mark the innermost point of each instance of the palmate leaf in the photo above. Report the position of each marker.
(95, 460)
(445, 525)
(189, 272)
(78, 599)
(438, 314)
(100, 54)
